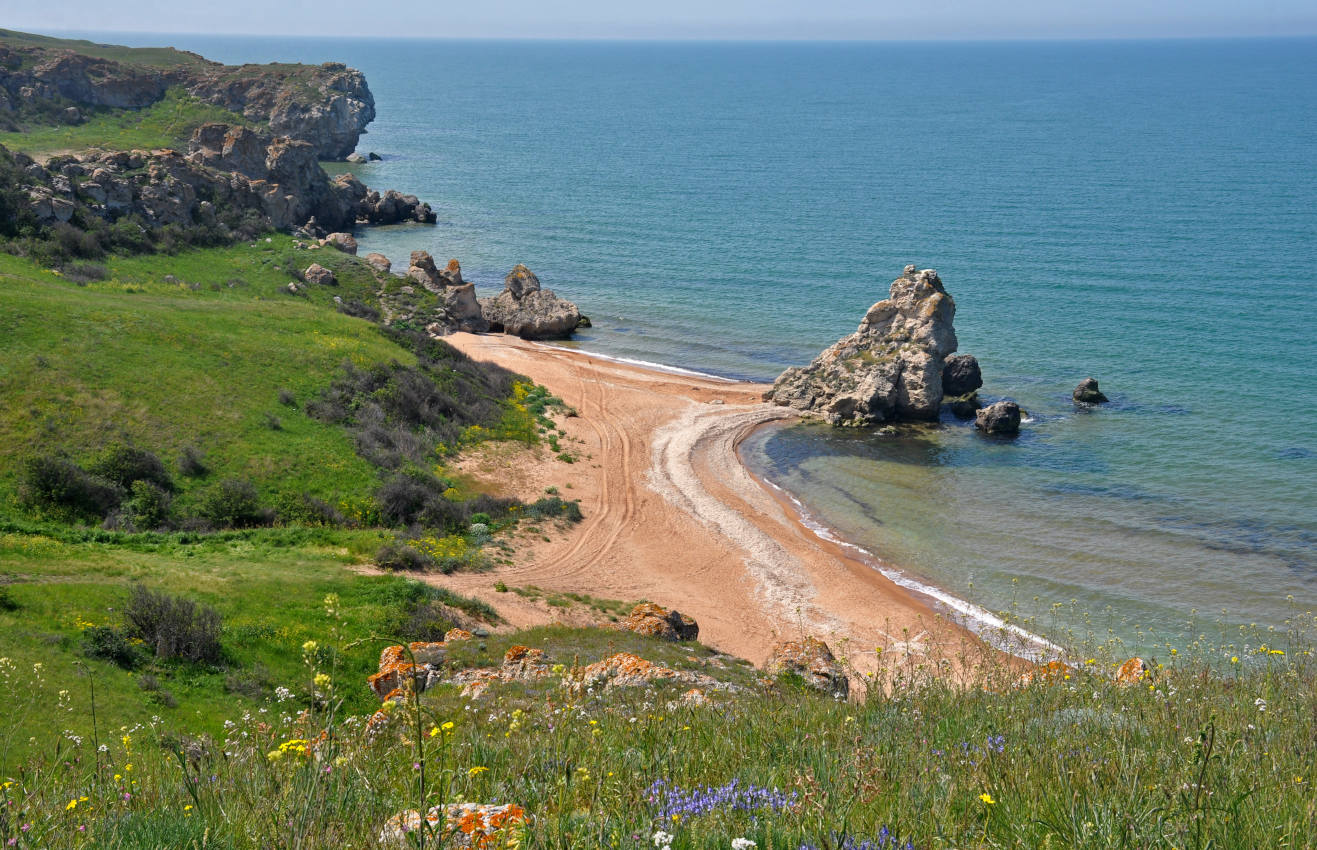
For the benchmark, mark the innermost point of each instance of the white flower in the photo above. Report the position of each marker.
(662, 839)
(742, 844)
(1260, 703)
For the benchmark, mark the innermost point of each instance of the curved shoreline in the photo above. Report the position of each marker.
(673, 514)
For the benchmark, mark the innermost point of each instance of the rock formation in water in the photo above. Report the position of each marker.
(891, 368)
(525, 310)
(1088, 393)
(1002, 417)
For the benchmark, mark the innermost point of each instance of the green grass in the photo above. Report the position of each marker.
(1194, 757)
(198, 362)
(160, 57)
(166, 124)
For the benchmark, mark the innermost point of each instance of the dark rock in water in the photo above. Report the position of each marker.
(525, 310)
(963, 406)
(1088, 393)
(961, 375)
(1001, 417)
(890, 368)
(584, 322)
(373, 157)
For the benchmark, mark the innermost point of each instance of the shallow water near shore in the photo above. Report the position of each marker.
(1140, 211)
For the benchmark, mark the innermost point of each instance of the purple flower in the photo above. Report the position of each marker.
(671, 801)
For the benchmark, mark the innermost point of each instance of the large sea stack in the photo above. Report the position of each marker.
(890, 368)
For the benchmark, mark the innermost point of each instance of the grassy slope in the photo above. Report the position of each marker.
(166, 366)
(168, 123)
(160, 57)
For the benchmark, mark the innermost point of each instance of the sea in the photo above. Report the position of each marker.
(1143, 212)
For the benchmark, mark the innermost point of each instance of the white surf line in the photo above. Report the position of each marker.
(979, 620)
(780, 579)
(643, 364)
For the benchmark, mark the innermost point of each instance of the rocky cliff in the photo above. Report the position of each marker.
(328, 106)
(890, 368)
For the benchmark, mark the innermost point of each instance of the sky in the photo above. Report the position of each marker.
(679, 19)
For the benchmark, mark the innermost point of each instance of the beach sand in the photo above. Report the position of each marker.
(673, 516)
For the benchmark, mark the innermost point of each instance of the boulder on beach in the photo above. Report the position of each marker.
(463, 309)
(1002, 417)
(1088, 393)
(525, 310)
(890, 368)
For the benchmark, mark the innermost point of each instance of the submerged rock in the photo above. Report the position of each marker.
(1002, 417)
(890, 368)
(525, 310)
(963, 406)
(1088, 393)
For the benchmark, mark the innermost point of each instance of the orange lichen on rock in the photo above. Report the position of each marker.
(625, 670)
(457, 634)
(656, 621)
(477, 826)
(1132, 672)
(1051, 673)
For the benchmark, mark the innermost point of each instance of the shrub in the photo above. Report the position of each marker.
(7, 600)
(173, 627)
(59, 485)
(123, 465)
(81, 273)
(148, 507)
(359, 310)
(305, 509)
(110, 644)
(192, 463)
(273, 423)
(400, 556)
(234, 503)
(287, 399)
(553, 507)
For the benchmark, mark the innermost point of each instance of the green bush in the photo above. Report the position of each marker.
(234, 503)
(173, 627)
(553, 507)
(400, 556)
(7, 600)
(124, 464)
(149, 506)
(110, 644)
(58, 485)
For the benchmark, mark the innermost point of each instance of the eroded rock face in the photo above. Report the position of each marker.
(524, 309)
(379, 262)
(813, 662)
(1088, 393)
(890, 368)
(657, 621)
(463, 309)
(1002, 417)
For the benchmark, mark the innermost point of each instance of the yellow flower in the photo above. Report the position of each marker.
(310, 646)
(73, 804)
(476, 771)
(987, 799)
(1234, 659)
(1275, 652)
(323, 682)
(118, 777)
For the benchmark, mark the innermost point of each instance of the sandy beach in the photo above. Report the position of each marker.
(674, 517)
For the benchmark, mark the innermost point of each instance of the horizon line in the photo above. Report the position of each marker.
(723, 39)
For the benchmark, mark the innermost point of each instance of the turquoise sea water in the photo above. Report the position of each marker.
(1144, 212)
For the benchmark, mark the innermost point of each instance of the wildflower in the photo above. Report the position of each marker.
(476, 771)
(73, 804)
(987, 799)
(323, 681)
(1260, 703)
(662, 840)
(1275, 652)
(743, 844)
(310, 647)
(1234, 659)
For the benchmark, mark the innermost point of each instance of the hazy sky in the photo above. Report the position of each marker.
(772, 19)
